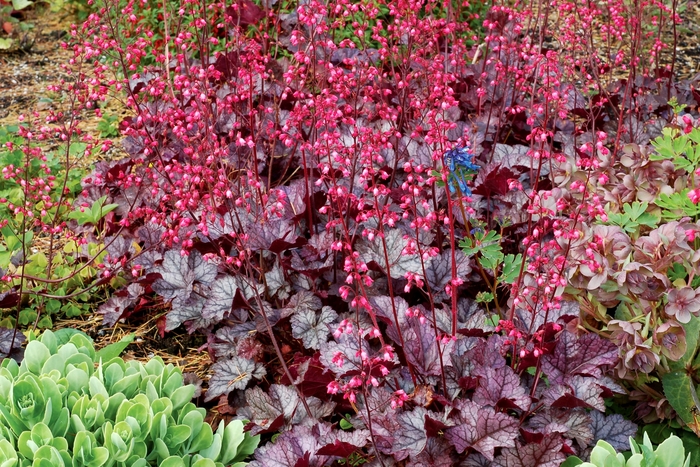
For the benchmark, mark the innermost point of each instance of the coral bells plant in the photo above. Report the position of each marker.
(401, 249)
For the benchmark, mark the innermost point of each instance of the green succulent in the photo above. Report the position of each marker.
(67, 405)
(670, 453)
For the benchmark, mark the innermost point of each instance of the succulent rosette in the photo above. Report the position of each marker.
(66, 405)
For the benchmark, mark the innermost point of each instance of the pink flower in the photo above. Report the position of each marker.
(694, 196)
(682, 303)
(688, 124)
(333, 387)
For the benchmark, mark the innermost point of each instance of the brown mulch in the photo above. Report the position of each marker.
(688, 47)
(178, 348)
(32, 63)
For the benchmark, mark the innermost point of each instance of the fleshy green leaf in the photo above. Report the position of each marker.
(114, 349)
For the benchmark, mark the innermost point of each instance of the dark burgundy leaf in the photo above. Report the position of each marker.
(227, 64)
(575, 391)
(493, 180)
(338, 448)
(9, 299)
(309, 375)
(344, 443)
(433, 426)
(245, 13)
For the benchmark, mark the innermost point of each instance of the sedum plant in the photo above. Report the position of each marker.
(670, 453)
(67, 405)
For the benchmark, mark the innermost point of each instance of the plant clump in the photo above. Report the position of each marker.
(67, 405)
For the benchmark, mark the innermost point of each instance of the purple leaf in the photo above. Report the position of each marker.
(411, 436)
(439, 271)
(547, 453)
(399, 262)
(234, 373)
(527, 320)
(265, 409)
(514, 157)
(10, 340)
(384, 307)
(470, 316)
(437, 453)
(422, 348)
(179, 273)
(348, 346)
(282, 405)
(275, 229)
(227, 338)
(482, 429)
(113, 308)
(304, 301)
(587, 355)
(576, 391)
(572, 424)
(612, 428)
(276, 283)
(220, 298)
(249, 288)
(313, 327)
(119, 246)
(476, 460)
(295, 448)
(342, 443)
(187, 310)
(497, 384)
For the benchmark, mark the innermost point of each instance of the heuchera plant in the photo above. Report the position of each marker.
(386, 227)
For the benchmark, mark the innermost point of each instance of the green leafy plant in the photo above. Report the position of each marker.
(108, 126)
(51, 273)
(94, 214)
(681, 148)
(633, 217)
(670, 453)
(69, 405)
(486, 249)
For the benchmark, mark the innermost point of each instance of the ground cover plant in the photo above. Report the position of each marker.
(69, 405)
(406, 242)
